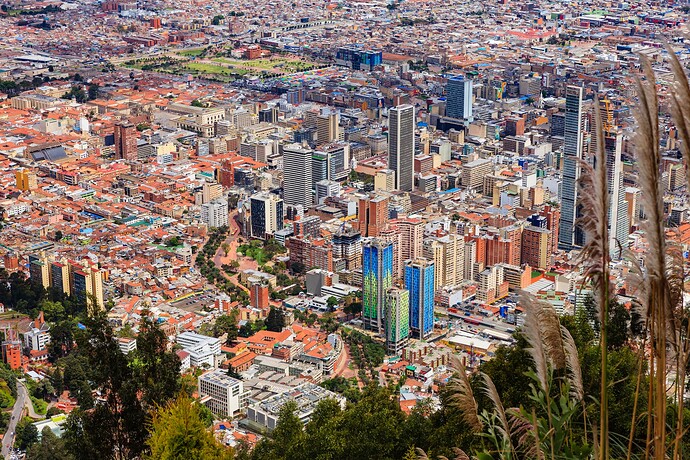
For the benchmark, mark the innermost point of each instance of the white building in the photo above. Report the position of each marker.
(201, 348)
(215, 213)
(37, 336)
(127, 344)
(222, 394)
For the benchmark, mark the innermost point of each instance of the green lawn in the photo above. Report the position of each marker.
(209, 68)
(192, 52)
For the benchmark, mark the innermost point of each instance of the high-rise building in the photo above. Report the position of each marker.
(210, 192)
(419, 280)
(401, 145)
(347, 245)
(448, 255)
(59, 276)
(87, 284)
(459, 98)
(215, 213)
(372, 214)
(571, 235)
(26, 180)
(125, 141)
(297, 180)
(258, 292)
(397, 321)
(39, 269)
(377, 278)
(535, 247)
(267, 214)
(619, 222)
(412, 231)
(327, 129)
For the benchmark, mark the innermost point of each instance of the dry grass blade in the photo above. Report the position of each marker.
(492, 393)
(532, 330)
(551, 334)
(524, 433)
(460, 454)
(463, 397)
(573, 364)
(421, 455)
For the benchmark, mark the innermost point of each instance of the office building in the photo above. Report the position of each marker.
(448, 255)
(397, 322)
(619, 221)
(412, 231)
(222, 394)
(125, 141)
(474, 172)
(535, 247)
(401, 145)
(258, 292)
(327, 129)
(266, 215)
(357, 58)
(459, 98)
(325, 189)
(210, 192)
(372, 214)
(215, 213)
(297, 180)
(571, 235)
(201, 348)
(87, 284)
(419, 281)
(377, 278)
(347, 246)
(39, 269)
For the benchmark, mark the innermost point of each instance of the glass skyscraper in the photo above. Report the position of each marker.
(419, 281)
(459, 98)
(401, 145)
(569, 234)
(397, 320)
(377, 274)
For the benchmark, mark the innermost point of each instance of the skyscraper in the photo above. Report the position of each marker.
(125, 141)
(419, 280)
(570, 235)
(397, 320)
(297, 180)
(267, 214)
(377, 275)
(401, 122)
(215, 213)
(619, 222)
(459, 98)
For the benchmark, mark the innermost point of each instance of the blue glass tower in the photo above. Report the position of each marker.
(459, 98)
(419, 280)
(377, 275)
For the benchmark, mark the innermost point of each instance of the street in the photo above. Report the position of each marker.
(8, 439)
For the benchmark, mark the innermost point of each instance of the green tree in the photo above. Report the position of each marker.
(27, 434)
(50, 448)
(227, 324)
(178, 433)
(93, 92)
(287, 440)
(275, 321)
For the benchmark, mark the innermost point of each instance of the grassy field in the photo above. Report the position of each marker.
(208, 68)
(277, 65)
(192, 52)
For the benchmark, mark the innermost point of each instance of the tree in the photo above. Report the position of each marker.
(227, 324)
(58, 235)
(226, 248)
(93, 92)
(332, 302)
(50, 448)
(178, 433)
(287, 440)
(275, 321)
(27, 434)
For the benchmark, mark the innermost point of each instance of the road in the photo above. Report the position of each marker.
(8, 439)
